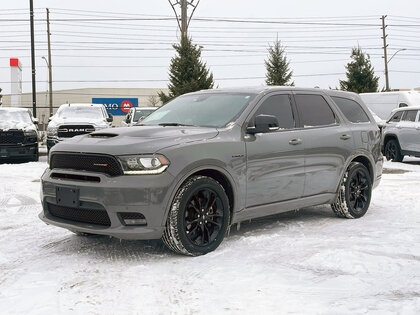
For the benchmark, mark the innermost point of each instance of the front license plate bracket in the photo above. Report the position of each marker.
(67, 196)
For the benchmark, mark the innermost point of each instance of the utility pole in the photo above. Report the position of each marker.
(184, 22)
(49, 63)
(31, 8)
(384, 36)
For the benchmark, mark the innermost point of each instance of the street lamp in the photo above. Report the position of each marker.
(387, 62)
(50, 84)
(402, 49)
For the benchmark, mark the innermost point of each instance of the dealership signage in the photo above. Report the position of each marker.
(117, 106)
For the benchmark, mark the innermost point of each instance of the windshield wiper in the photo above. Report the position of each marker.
(174, 124)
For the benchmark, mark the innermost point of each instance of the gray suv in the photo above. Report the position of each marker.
(210, 159)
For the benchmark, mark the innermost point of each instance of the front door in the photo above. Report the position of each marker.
(275, 160)
(408, 131)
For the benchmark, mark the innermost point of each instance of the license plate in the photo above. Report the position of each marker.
(67, 196)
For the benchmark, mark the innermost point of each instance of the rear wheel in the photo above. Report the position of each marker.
(198, 218)
(393, 151)
(355, 192)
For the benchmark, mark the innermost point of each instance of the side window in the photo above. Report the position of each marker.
(314, 111)
(280, 107)
(351, 109)
(396, 117)
(403, 105)
(409, 115)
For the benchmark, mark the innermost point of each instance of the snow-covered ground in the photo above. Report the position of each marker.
(303, 262)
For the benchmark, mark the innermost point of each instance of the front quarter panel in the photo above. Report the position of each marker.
(224, 153)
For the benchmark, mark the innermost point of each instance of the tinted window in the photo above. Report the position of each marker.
(409, 115)
(352, 110)
(396, 117)
(314, 111)
(280, 107)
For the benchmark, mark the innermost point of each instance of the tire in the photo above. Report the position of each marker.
(36, 156)
(198, 218)
(393, 151)
(354, 193)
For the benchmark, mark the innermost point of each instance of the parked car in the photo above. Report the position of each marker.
(76, 119)
(382, 103)
(210, 159)
(401, 134)
(18, 134)
(136, 114)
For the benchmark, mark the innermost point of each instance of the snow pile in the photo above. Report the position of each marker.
(300, 262)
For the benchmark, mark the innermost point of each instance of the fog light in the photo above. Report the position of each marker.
(133, 218)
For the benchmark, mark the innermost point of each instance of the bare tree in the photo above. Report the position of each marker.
(153, 100)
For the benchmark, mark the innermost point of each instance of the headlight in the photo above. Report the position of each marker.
(30, 133)
(52, 131)
(143, 164)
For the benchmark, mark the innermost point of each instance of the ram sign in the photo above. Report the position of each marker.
(117, 106)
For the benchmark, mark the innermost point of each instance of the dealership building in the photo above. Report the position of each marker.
(117, 100)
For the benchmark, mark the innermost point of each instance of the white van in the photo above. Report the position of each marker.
(383, 103)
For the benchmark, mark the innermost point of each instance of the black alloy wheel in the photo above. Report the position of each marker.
(392, 151)
(359, 191)
(354, 193)
(198, 218)
(203, 217)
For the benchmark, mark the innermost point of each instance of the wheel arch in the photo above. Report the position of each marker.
(363, 159)
(219, 174)
(389, 137)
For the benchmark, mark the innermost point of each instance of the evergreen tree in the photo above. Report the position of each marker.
(278, 68)
(187, 72)
(360, 74)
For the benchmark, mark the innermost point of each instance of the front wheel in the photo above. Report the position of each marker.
(354, 193)
(198, 218)
(393, 151)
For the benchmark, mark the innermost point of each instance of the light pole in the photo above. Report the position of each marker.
(49, 84)
(388, 61)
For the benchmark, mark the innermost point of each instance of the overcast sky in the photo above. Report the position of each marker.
(140, 50)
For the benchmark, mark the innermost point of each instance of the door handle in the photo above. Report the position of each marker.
(345, 137)
(295, 141)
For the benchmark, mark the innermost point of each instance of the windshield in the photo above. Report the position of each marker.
(15, 116)
(80, 112)
(142, 113)
(205, 110)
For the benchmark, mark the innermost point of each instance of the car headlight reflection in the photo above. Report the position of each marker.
(143, 165)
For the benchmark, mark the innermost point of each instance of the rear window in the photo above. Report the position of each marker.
(314, 111)
(351, 109)
(409, 115)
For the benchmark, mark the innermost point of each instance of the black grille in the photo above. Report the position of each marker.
(68, 131)
(11, 137)
(87, 162)
(98, 217)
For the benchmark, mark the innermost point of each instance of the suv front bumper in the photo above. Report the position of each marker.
(145, 194)
(18, 150)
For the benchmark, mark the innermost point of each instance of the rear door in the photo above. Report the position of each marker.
(328, 142)
(408, 134)
(275, 160)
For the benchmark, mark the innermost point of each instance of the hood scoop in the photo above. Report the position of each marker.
(102, 135)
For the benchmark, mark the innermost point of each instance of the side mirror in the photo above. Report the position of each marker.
(36, 121)
(110, 118)
(127, 120)
(263, 124)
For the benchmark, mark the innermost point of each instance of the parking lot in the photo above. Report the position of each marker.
(295, 262)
